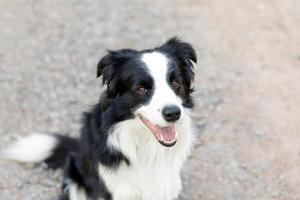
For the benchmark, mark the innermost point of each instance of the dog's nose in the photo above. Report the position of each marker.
(171, 113)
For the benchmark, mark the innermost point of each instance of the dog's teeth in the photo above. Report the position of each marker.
(168, 142)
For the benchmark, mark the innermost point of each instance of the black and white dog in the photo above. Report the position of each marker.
(135, 140)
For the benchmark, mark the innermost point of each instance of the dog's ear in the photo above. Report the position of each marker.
(110, 64)
(185, 54)
(111, 61)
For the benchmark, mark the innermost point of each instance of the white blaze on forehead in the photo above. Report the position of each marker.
(157, 63)
(163, 94)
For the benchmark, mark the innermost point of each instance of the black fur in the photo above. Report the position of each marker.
(65, 147)
(122, 73)
(182, 54)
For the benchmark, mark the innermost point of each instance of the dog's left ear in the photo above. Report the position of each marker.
(185, 54)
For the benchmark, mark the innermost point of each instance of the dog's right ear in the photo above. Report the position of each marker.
(111, 64)
(111, 61)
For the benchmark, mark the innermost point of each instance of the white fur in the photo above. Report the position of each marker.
(75, 192)
(154, 170)
(32, 149)
(157, 65)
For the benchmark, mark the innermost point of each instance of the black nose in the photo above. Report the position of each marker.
(171, 113)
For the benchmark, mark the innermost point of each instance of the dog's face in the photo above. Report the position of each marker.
(152, 85)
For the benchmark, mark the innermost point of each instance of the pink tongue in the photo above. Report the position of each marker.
(168, 134)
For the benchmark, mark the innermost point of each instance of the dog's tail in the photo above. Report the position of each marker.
(51, 149)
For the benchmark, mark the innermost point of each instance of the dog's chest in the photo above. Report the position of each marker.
(154, 170)
(159, 180)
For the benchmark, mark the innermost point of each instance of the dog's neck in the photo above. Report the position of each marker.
(137, 143)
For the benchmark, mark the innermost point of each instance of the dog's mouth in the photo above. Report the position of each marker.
(166, 136)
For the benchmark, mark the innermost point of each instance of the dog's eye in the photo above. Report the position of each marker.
(175, 84)
(141, 90)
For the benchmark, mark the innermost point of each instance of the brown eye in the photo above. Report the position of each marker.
(141, 90)
(175, 84)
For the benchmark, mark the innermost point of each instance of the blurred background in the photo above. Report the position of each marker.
(247, 118)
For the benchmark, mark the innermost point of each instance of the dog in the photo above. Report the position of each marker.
(135, 140)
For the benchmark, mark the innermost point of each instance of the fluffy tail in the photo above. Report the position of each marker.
(51, 149)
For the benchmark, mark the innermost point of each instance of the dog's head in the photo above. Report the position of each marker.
(152, 85)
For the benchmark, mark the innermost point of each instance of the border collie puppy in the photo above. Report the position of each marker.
(136, 138)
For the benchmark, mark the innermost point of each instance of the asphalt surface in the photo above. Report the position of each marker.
(247, 86)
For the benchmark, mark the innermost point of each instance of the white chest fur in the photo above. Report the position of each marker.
(154, 170)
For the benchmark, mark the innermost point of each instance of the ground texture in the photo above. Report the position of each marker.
(247, 118)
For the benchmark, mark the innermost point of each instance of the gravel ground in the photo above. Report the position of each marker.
(247, 86)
